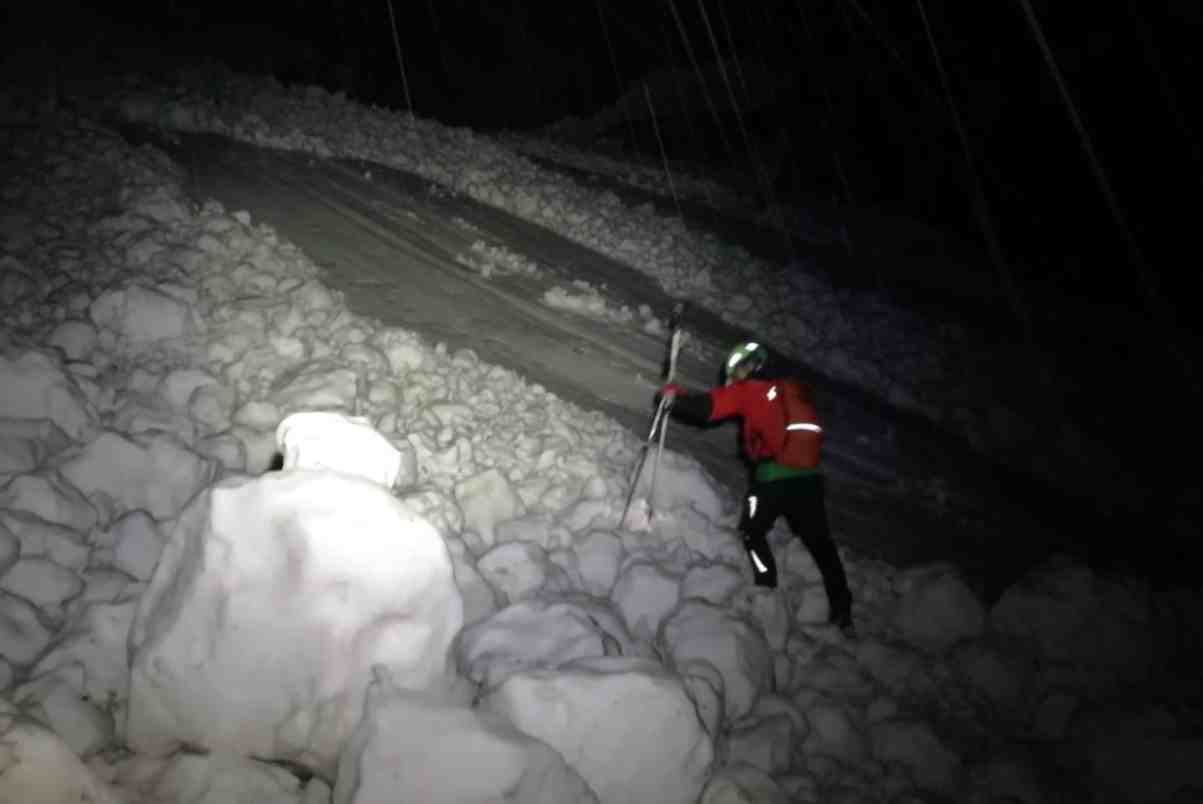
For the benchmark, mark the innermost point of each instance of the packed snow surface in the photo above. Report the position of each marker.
(435, 599)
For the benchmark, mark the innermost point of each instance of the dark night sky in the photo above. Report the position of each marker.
(856, 77)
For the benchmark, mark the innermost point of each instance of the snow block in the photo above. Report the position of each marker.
(25, 444)
(699, 631)
(599, 555)
(765, 744)
(47, 496)
(479, 599)
(137, 544)
(141, 316)
(626, 725)
(38, 537)
(216, 778)
(96, 645)
(411, 748)
(644, 594)
(714, 583)
(320, 385)
(833, 733)
(936, 608)
(21, 631)
(10, 549)
(77, 339)
(487, 500)
(347, 444)
(1073, 615)
(531, 635)
(40, 767)
(36, 387)
(154, 471)
(42, 582)
(55, 701)
(272, 600)
(913, 744)
(740, 783)
(515, 570)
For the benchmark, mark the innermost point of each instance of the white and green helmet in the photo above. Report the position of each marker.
(749, 355)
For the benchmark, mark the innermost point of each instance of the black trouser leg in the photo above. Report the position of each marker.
(761, 510)
(806, 512)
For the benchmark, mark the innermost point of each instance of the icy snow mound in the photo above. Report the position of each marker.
(287, 588)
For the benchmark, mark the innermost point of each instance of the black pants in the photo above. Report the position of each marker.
(800, 499)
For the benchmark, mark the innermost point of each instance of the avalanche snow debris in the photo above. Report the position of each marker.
(209, 292)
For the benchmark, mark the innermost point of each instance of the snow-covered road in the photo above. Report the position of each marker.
(396, 246)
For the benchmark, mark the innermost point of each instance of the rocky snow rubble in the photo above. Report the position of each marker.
(178, 625)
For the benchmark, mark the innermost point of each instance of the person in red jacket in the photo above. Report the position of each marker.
(782, 440)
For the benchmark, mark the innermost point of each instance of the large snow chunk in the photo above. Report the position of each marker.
(347, 444)
(217, 778)
(533, 634)
(40, 767)
(26, 443)
(626, 725)
(137, 544)
(54, 699)
(76, 339)
(487, 500)
(1074, 615)
(765, 744)
(645, 594)
(60, 544)
(10, 549)
(480, 601)
(936, 608)
(515, 570)
(714, 583)
(914, 745)
(42, 582)
(701, 632)
(22, 634)
(154, 471)
(142, 315)
(599, 555)
(411, 748)
(36, 387)
(47, 496)
(271, 602)
(740, 783)
(319, 385)
(95, 645)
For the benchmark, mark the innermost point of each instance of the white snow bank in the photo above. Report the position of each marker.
(411, 748)
(272, 600)
(626, 725)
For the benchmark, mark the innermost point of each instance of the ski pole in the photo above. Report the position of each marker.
(660, 419)
(674, 349)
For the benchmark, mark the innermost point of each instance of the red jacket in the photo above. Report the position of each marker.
(767, 435)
